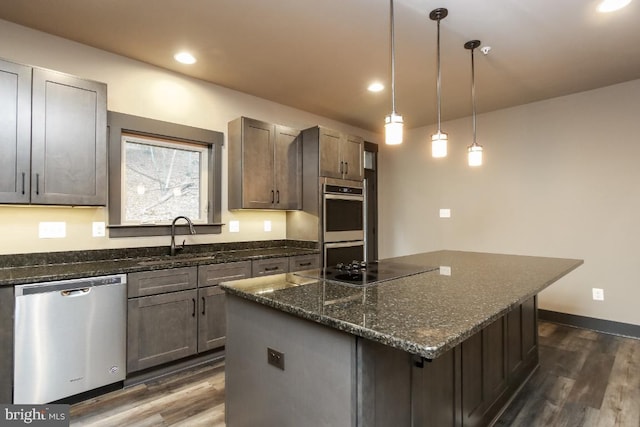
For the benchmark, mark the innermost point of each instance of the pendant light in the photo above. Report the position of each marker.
(439, 139)
(393, 122)
(475, 150)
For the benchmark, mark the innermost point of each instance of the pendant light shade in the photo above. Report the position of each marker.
(475, 149)
(439, 139)
(393, 123)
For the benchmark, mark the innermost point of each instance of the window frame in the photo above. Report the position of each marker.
(119, 123)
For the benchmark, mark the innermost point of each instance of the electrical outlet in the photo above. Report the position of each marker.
(267, 225)
(598, 294)
(234, 226)
(52, 230)
(445, 213)
(98, 229)
(445, 270)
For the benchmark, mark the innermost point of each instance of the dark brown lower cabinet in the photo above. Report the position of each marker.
(161, 328)
(212, 322)
(471, 383)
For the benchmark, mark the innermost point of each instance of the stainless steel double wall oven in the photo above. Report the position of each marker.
(343, 221)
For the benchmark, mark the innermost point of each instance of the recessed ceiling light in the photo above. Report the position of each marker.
(612, 5)
(375, 87)
(184, 58)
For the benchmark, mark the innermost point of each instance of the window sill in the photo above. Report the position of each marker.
(116, 231)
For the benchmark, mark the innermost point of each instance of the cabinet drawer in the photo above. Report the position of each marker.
(265, 267)
(304, 262)
(214, 274)
(161, 281)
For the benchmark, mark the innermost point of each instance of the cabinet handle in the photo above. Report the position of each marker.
(272, 196)
(271, 268)
(278, 196)
(304, 264)
(23, 178)
(346, 168)
(194, 307)
(37, 184)
(203, 305)
(341, 167)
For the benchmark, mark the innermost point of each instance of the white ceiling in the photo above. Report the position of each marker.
(320, 55)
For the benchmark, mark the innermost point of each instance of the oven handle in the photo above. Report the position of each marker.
(345, 244)
(330, 196)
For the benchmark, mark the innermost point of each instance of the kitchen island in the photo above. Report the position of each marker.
(449, 346)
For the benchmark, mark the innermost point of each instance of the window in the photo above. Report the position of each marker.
(159, 170)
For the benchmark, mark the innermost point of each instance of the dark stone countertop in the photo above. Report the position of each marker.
(424, 314)
(42, 267)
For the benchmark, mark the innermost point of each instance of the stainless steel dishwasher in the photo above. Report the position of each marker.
(70, 337)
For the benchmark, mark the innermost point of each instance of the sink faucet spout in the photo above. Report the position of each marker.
(175, 248)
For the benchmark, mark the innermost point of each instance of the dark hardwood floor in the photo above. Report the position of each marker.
(585, 378)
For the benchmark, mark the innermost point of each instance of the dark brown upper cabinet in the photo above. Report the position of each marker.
(53, 138)
(340, 155)
(264, 166)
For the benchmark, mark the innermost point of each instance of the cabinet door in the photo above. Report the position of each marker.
(258, 190)
(214, 274)
(329, 146)
(304, 262)
(69, 140)
(212, 323)
(15, 132)
(161, 329)
(288, 168)
(266, 267)
(352, 154)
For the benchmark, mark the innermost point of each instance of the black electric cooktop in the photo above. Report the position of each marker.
(358, 273)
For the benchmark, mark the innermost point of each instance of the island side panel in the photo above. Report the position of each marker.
(317, 385)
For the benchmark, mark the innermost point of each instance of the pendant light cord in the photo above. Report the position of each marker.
(438, 85)
(473, 95)
(393, 61)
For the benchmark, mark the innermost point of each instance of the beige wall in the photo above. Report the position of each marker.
(561, 178)
(143, 90)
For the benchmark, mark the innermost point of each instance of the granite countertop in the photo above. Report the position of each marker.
(424, 314)
(32, 268)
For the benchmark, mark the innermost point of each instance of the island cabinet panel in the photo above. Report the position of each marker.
(313, 384)
(161, 329)
(6, 344)
(485, 372)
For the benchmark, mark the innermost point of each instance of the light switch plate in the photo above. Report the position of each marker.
(52, 230)
(445, 213)
(98, 229)
(234, 226)
(598, 294)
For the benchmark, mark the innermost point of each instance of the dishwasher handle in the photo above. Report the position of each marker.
(75, 292)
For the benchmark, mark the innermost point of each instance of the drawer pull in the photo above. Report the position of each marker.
(271, 268)
(305, 264)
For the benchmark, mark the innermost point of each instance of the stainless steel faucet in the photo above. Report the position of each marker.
(175, 248)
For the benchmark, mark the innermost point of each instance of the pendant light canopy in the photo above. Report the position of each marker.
(393, 123)
(475, 150)
(439, 139)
